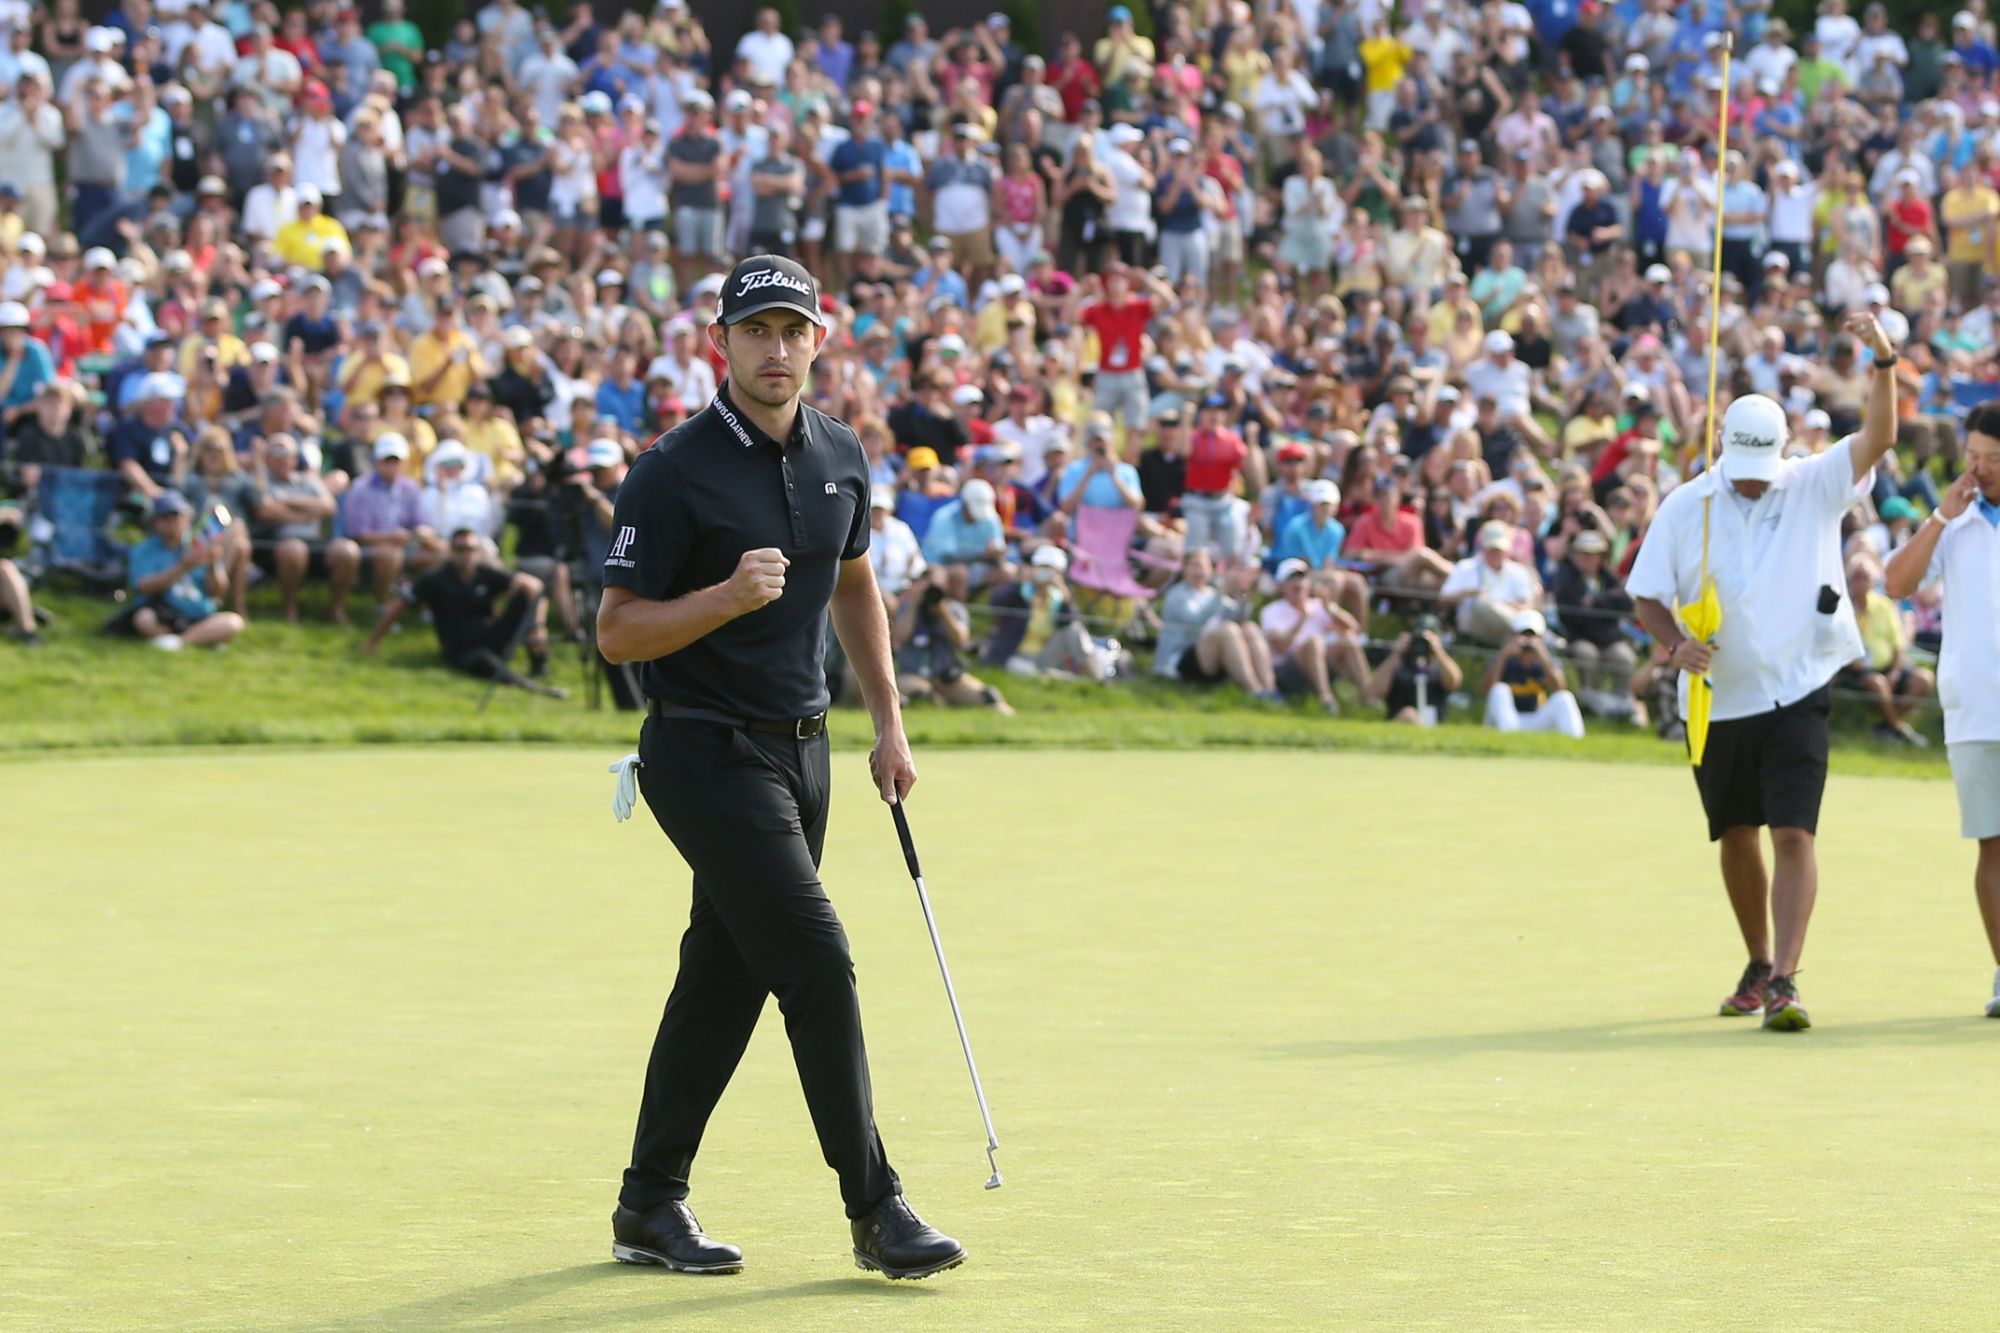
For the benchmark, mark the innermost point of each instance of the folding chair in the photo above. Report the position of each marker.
(75, 509)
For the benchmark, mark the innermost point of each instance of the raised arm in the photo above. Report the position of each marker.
(1878, 419)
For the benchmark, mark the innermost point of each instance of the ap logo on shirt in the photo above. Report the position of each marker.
(620, 553)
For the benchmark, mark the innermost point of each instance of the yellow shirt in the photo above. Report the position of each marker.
(989, 330)
(1970, 244)
(430, 353)
(305, 243)
(1241, 70)
(1583, 433)
(230, 352)
(1115, 62)
(1383, 59)
(1443, 319)
(362, 379)
(420, 435)
(499, 441)
(1881, 631)
(1911, 289)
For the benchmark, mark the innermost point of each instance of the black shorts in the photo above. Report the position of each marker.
(1767, 769)
(1189, 669)
(264, 555)
(1856, 678)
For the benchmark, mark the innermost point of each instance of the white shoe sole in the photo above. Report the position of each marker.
(632, 1254)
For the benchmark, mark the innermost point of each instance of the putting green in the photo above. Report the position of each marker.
(352, 1040)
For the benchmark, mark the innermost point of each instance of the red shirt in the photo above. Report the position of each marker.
(1212, 459)
(1913, 214)
(1077, 82)
(1403, 531)
(97, 330)
(1121, 331)
(1226, 172)
(1614, 453)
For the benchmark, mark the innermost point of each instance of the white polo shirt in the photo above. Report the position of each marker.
(1770, 558)
(1968, 559)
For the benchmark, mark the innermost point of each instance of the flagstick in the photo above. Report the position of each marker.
(1709, 426)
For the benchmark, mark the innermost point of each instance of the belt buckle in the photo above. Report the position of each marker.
(799, 732)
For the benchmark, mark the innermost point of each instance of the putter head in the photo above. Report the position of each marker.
(994, 1182)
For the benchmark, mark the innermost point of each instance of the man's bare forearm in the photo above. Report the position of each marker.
(1658, 621)
(633, 629)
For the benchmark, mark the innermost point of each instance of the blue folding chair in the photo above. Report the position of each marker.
(75, 510)
(1967, 394)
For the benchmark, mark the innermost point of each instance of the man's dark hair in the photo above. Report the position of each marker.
(456, 533)
(1984, 420)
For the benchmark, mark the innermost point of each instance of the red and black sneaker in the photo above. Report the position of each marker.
(1749, 995)
(1782, 1010)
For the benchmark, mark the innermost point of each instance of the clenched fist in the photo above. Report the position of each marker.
(758, 581)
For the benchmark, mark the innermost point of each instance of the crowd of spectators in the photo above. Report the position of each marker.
(1306, 341)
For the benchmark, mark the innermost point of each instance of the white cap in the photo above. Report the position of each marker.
(1876, 294)
(610, 277)
(1817, 419)
(965, 394)
(595, 103)
(31, 243)
(951, 342)
(1637, 63)
(1499, 341)
(1964, 19)
(98, 257)
(1127, 134)
(433, 266)
(1909, 176)
(1779, 259)
(1753, 438)
(159, 386)
(1659, 273)
(1529, 622)
(309, 194)
(1012, 284)
(604, 452)
(878, 498)
(391, 445)
(976, 498)
(739, 99)
(1292, 568)
(1049, 556)
(1322, 492)
(449, 454)
(263, 352)
(1495, 535)
(518, 336)
(13, 315)
(505, 217)
(100, 40)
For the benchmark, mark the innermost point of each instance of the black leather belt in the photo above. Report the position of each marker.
(798, 728)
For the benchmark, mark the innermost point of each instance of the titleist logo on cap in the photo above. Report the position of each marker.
(1742, 440)
(771, 277)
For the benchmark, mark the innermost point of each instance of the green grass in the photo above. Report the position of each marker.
(308, 685)
(351, 1040)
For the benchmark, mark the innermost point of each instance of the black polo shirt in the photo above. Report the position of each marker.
(707, 491)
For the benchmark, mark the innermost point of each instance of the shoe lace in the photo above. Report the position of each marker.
(1783, 988)
(1754, 975)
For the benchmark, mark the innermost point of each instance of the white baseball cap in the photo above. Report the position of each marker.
(1659, 273)
(449, 454)
(1753, 438)
(1323, 492)
(1049, 556)
(966, 394)
(604, 452)
(13, 315)
(1291, 569)
(1499, 341)
(977, 499)
(1876, 294)
(391, 445)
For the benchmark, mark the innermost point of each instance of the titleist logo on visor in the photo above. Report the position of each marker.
(771, 277)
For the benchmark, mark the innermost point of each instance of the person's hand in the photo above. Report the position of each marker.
(1404, 642)
(1691, 655)
(1868, 331)
(891, 765)
(1958, 498)
(758, 581)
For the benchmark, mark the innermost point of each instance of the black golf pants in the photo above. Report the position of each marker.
(747, 810)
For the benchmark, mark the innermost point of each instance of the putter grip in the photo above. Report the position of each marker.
(903, 833)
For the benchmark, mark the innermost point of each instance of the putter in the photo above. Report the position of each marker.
(923, 897)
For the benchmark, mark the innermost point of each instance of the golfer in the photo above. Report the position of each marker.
(1960, 542)
(1787, 627)
(733, 536)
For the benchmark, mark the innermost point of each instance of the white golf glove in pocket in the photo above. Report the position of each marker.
(627, 795)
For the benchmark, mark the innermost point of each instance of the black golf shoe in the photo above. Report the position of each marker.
(891, 1239)
(669, 1237)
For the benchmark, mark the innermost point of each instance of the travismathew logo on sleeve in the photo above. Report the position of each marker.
(722, 409)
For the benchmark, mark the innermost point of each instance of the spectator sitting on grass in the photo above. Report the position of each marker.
(53, 434)
(289, 524)
(1302, 633)
(1488, 592)
(17, 605)
(1592, 603)
(460, 596)
(925, 490)
(180, 581)
(1885, 673)
(1316, 537)
(930, 629)
(385, 517)
(217, 486)
(966, 543)
(1418, 676)
(1036, 631)
(1201, 639)
(1391, 538)
(1524, 685)
(893, 550)
(149, 448)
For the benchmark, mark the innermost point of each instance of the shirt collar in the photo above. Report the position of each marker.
(1988, 510)
(748, 432)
